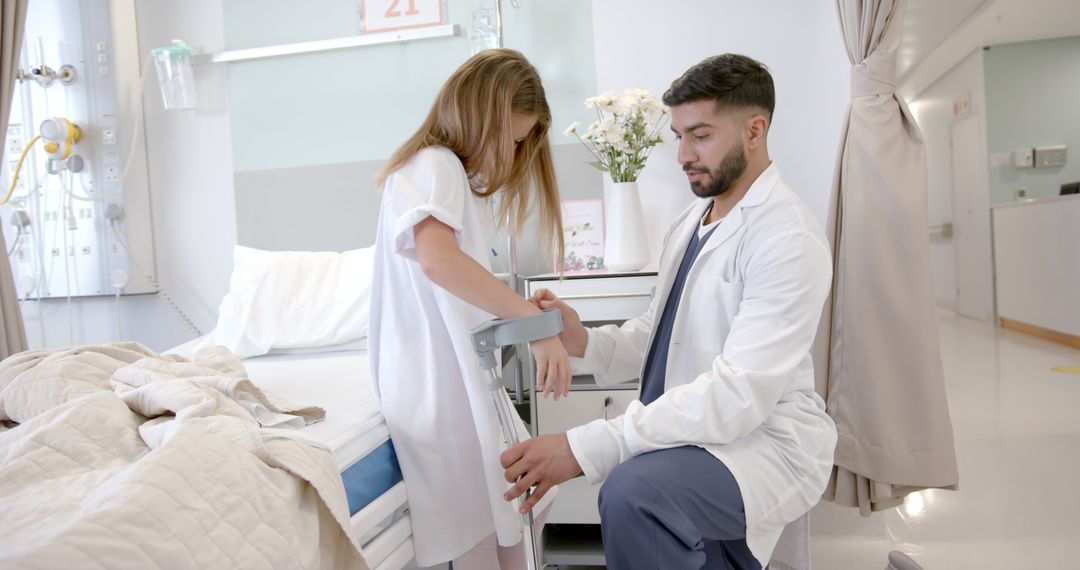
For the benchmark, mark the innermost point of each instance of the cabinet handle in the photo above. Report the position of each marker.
(603, 296)
(607, 404)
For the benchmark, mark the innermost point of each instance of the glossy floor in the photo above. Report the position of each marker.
(1017, 426)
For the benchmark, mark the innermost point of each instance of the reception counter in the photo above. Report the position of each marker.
(1037, 267)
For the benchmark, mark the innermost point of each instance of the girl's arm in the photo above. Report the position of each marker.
(442, 261)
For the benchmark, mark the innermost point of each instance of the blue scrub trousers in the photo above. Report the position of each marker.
(674, 509)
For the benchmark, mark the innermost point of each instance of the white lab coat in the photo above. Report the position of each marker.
(424, 370)
(740, 382)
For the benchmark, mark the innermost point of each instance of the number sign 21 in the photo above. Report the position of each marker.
(386, 15)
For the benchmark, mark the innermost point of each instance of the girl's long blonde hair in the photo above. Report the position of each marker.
(471, 117)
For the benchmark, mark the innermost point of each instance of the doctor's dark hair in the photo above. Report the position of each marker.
(471, 117)
(734, 81)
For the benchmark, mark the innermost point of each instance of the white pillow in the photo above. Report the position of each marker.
(294, 299)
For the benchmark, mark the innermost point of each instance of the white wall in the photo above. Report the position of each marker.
(194, 219)
(638, 43)
(933, 110)
(647, 44)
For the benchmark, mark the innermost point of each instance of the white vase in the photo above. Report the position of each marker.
(625, 245)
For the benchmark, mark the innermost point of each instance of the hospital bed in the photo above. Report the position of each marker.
(119, 453)
(277, 301)
(298, 321)
(338, 380)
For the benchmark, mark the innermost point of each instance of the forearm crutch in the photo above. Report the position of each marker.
(487, 338)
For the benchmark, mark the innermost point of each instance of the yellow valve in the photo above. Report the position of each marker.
(61, 135)
(56, 131)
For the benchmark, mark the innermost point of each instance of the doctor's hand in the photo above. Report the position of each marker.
(573, 335)
(544, 461)
(552, 366)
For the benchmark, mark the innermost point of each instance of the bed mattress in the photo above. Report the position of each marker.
(354, 429)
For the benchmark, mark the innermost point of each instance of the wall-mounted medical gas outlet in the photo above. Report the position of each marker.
(85, 159)
(1050, 156)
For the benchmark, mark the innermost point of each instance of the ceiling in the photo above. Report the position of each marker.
(938, 34)
(927, 24)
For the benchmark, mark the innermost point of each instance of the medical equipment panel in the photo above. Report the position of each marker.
(77, 219)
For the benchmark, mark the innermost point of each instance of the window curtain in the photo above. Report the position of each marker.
(878, 363)
(12, 18)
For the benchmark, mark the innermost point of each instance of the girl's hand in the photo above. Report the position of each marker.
(552, 366)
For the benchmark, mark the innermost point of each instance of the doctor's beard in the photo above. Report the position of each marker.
(723, 176)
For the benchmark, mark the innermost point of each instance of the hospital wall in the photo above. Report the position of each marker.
(311, 131)
(935, 114)
(194, 217)
(647, 44)
(1033, 99)
(281, 151)
(298, 162)
(1021, 95)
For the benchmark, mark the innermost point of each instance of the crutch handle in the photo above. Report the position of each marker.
(492, 335)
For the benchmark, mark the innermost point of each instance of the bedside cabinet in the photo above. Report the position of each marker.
(599, 299)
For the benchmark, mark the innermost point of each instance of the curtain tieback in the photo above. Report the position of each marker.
(875, 76)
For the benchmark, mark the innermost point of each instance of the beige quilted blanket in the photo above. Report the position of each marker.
(116, 457)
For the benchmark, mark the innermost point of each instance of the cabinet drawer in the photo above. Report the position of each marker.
(602, 299)
(581, 407)
(576, 503)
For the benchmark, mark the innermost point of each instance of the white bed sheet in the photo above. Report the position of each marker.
(338, 382)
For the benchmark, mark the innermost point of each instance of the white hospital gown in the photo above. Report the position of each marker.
(425, 373)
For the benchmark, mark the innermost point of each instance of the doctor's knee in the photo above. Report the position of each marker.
(621, 495)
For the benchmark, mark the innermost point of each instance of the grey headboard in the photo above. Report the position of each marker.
(333, 207)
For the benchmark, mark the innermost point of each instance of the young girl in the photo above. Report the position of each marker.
(486, 134)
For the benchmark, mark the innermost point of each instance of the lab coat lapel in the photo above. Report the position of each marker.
(672, 256)
(670, 259)
(759, 191)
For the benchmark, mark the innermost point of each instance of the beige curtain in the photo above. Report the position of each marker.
(877, 355)
(12, 17)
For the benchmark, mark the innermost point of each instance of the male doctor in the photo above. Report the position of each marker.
(728, 441)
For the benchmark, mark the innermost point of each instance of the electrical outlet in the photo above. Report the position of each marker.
(56, 252)
(86, 250)
(15, 145)
(108, 136)
(20, 184)
(112, 173)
